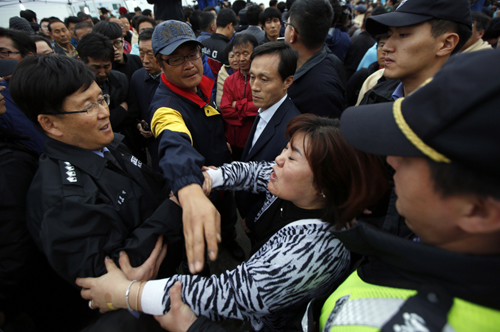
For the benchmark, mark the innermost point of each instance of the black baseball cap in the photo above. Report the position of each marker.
(450, 119)
(411, 12)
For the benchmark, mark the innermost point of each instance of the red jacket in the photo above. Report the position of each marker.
(239, 119)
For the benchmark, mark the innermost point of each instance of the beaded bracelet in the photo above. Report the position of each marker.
(127, 293)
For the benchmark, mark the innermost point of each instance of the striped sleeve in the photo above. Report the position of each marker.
(298, 263)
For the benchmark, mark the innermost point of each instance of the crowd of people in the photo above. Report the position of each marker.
(356, 142)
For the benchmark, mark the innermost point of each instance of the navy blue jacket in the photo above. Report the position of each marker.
(317, 87)
(144, 87)
(189, 131)
(15, 120)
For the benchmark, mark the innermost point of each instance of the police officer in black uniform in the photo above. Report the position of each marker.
(90, 197)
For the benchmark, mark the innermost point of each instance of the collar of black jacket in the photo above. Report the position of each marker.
(311, 62)
(401, 263)
(81, 158)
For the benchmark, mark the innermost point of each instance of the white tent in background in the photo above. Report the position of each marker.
(64, 8)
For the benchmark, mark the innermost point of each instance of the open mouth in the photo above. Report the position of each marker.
(106, 127)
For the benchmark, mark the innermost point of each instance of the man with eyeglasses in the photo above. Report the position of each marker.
(190, 134)
(125, 63)
(90, 197)
(96, 51)
(125, 26)
(16, 45)
(62, 38)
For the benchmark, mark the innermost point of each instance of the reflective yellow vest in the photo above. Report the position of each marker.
(357, 306)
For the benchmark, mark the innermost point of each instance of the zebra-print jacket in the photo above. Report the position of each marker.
(301, 261)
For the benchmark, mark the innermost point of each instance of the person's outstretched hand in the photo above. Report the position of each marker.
(148, 270)
(108, 288)
(180, 317)
(201, 222)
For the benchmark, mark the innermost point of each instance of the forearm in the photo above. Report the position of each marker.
(250, 176)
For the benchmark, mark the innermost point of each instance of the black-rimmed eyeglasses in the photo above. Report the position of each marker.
(286, 24)
(91, 108)
(179, 60)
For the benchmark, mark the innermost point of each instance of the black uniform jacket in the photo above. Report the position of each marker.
(82, 208)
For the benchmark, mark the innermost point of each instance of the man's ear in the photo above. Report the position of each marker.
(480, 34)
(50, 124)
(449, 42)
(288, 81)
(481, 217)
(293, 37)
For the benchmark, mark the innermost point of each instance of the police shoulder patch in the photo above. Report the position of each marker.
(70, 174)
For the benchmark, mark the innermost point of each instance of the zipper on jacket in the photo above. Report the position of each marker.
(245, 91)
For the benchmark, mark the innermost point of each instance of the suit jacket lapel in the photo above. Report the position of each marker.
(248, 145)
(270, 129)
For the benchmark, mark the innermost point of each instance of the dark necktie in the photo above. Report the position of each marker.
(112, 159)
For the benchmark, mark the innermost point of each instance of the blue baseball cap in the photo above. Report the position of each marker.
(171, 34)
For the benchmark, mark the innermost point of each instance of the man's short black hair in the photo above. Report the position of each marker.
(142, 19)
(103, 10)
(96, 46)
(45, 19)
(83, 16)
(253, 13)
(312, 19)
(453, 179)
(82, 25)
(245, 38)
(288, 57)
(289, 4)
(209, 8)
(53, 20)
(41, 84)
(273, 3)
(337, 11)
(481, 20)
(20, 40)
(147, 12)
(112, 30)
(72, 19)
(268, 14)
(225, 17)
(146, 34)
(282, 6)
(37, 38)
(238, 5)
(136, 9)
(378, 38)
(28, 14)
(441, 26)
(205, 19)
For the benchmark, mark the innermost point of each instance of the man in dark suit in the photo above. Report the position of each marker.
(271, 73)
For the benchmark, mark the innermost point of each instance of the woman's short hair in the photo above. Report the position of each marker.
(351, 180)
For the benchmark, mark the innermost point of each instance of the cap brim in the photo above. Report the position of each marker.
(373, 129)
(167, 50)
(379, 24)
(7, 67)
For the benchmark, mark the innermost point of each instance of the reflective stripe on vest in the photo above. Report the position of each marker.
(359, 306)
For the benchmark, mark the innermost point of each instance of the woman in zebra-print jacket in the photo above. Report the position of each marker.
(318, 182)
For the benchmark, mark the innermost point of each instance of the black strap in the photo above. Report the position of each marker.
(426, 311)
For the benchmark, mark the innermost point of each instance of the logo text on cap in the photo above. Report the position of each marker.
(167, 32)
